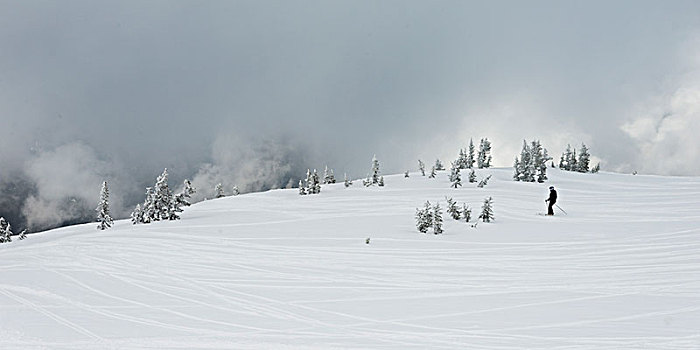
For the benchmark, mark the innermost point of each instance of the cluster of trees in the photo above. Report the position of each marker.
(570, 162)
(160, 203)
(312, 184)
(430, 216)
(482, 159)
(328, 177)
(219, 190)
(6, 232)
(374, 177)
(532, 164)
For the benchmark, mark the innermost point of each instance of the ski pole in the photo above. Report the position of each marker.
(564, 211)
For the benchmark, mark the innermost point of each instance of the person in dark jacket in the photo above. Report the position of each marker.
(552, 200)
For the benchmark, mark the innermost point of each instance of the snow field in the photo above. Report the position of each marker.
(276, 270)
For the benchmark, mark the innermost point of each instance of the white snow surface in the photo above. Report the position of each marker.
(276, 270)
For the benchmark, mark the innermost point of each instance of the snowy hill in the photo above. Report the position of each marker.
(276, 270)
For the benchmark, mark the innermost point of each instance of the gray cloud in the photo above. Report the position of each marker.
(207, 89)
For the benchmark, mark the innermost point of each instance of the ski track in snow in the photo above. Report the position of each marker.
(279, 270)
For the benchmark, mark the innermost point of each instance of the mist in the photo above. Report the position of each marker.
(253, 93)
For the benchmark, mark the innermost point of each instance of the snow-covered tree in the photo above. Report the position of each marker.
(346, 181)
(375, 170)
(532, 165)
(466, 212)
(432, 173)
(455, 177)
(302, 188)
(424, 218)
(137, 215)
(103, 217)
(484, 156)
(236, 191)
(219, 189)
(328, 177)
(381, 181)
(405, 174)
(438, 165)
(596, 168)
(183, 198)
(484, 182)
(314, 186)
(437, 219)
(452, 209)
(470, 154)
(461, 161)
(421, 167)
(472, 176)
(22, 235)
(5, 231)
(487, 210)
(517, 169)
(584, 160)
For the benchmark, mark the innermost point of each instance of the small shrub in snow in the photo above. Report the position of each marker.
(432, 173)
(381, 181)
(438, 165)
(405, 174)
(346, 182)
(236, 191)
(484, 182)
(219, 190)
(421, 167)
(472, 176)
(466, 212)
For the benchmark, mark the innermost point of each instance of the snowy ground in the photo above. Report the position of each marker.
(277, 270)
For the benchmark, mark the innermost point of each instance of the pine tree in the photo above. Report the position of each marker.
(452, 209)
(584, 159)
(596, 168)
(23, 234)
(466, 212)
(438, 165)
(103, 217)
(470, 155)
(5, 231)
(219, 189)
(484, 182)
(405, 174)
(421, 167)
(182, 198)
(375, 170)
(565, 160)
(437, 219)
(328, 177)
(424, 218)
(137, 215)
(302, 189)
(455, 177)
(236, 191)
(541, 159)
(149, 210)
(432, 173)
(381, 181)
(484, 156)
(527, 164)
(517, 170)
(462, 159)
(347, 182)
(472, 176)
(487, 210)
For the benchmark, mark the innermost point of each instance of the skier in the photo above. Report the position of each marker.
(552, 200)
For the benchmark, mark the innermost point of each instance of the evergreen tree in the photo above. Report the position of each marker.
(424, 218)
(421, 167)
(596, 168)
(455, 176)
(5, 231)
(452, 209)
(328, 177)
(219, 189)
(472, 176)
(517, 169)
(437, 219)
(573, 162)
(466, 212)
(470, 154)
(487, 210)
(432, 173)
(236, 191)
(438, 165)
(346, 181)
(103, 217)
(302, 188)
(527, 163)
(584, 159)
(315, 185)
(405, 174)
(541, 157)
(182, 198)
(23, 234)
(381, 181)
(462, 159)
(149, 210)
(137, 215)
(565, 160)
(484, 156)
(375, 170)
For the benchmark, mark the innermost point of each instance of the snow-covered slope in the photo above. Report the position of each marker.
(277, 270)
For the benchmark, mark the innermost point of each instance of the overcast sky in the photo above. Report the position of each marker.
(217, 90)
